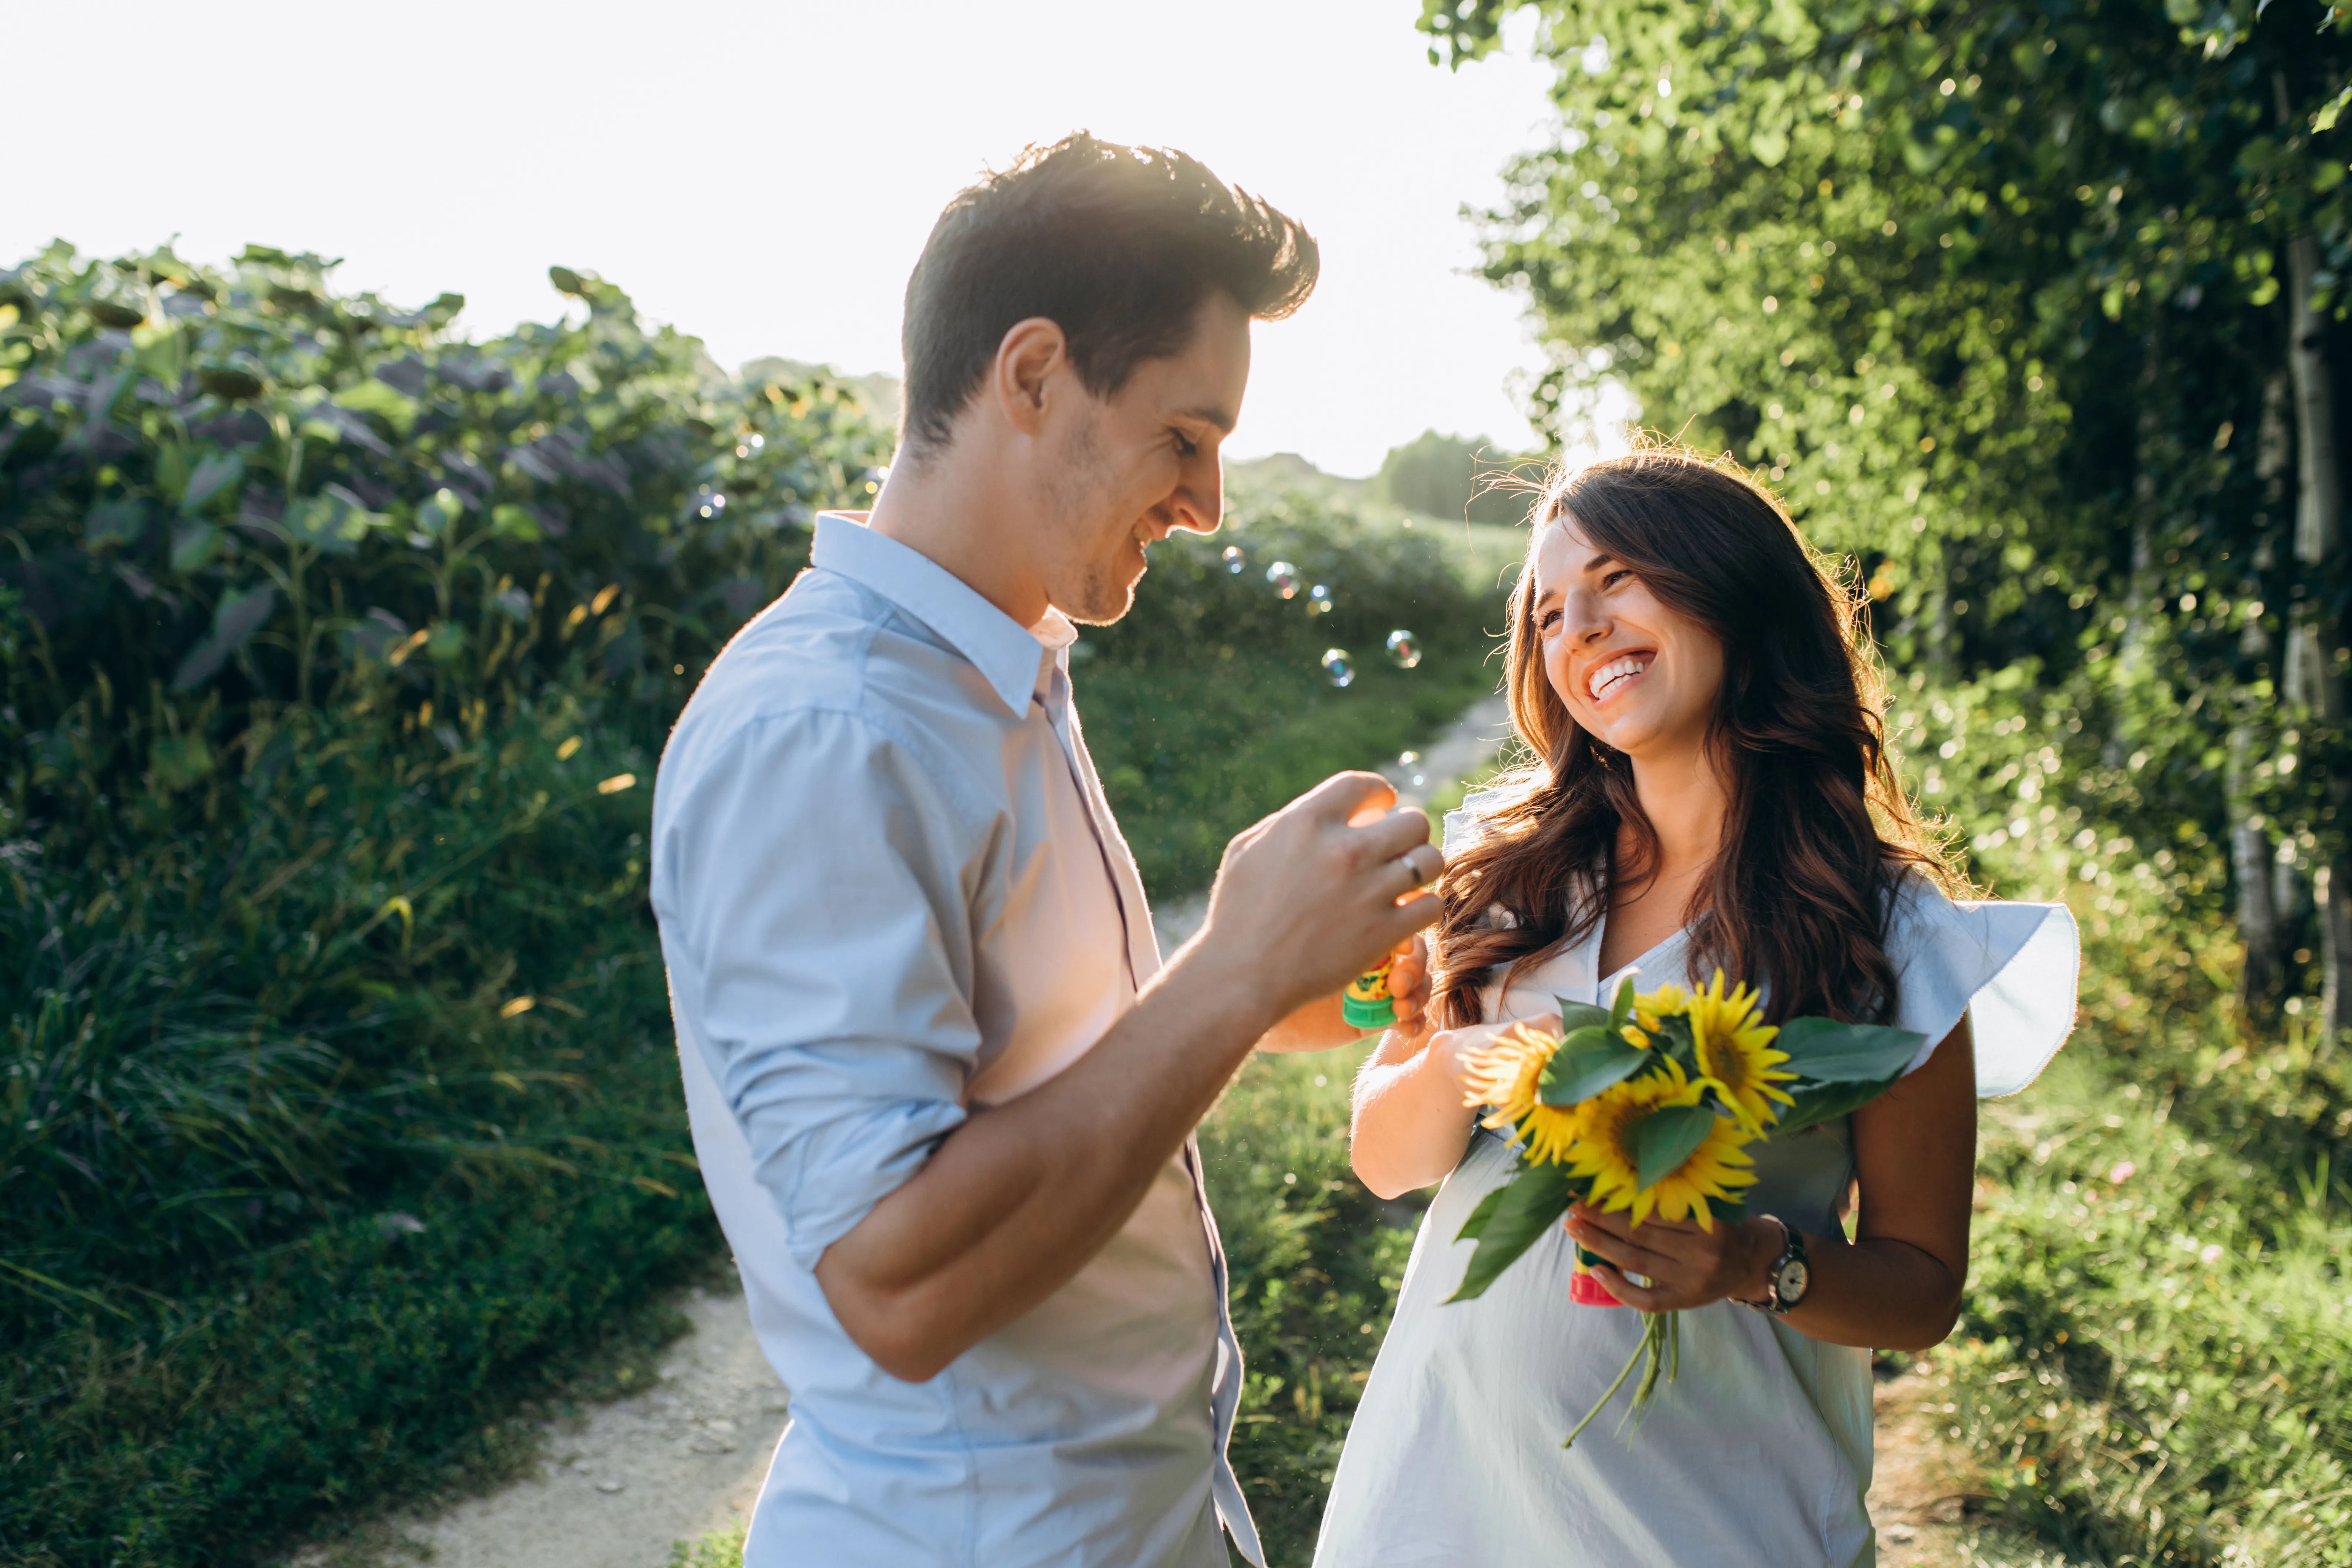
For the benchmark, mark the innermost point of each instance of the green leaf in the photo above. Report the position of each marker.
(1668, 1136)
(192, 540)
(1827, 1102)
(1621, 1011)
(1575, 1015)
(1534, 1199)
(214, 473)
(1475, 1225)
(1576, 1074)
(375, 397)
(514, 522)
(124, 519)
(1826, 1051)
(235, 618)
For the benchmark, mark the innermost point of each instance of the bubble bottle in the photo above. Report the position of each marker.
(1366, 1003)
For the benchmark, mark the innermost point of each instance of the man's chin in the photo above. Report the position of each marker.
(1104, 599)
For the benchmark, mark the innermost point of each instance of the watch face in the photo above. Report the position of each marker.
(1790, 1283)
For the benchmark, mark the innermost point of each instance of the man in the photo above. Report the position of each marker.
(942, 1089)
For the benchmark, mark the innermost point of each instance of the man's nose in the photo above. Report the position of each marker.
(1200, 502)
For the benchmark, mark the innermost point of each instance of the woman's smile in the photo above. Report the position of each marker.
(1618, 674)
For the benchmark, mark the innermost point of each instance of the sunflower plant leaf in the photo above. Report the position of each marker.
(1575, 1015)
(1475, 1225)
(1814, 1103)
(1586, 1063)
(1668, 1136)
(1621, 1011)
(1531, 1203)
(1822, 1050)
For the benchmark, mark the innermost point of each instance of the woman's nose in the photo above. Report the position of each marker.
(1582, 619)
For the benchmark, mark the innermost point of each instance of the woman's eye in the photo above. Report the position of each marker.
(1620, 575)
(1546, 621)
(1184, 447)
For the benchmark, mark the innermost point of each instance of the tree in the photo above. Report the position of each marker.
(1447, 475)
(1989, 290)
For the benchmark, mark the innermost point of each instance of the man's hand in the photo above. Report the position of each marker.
(1023, 1195)
(1319, 893)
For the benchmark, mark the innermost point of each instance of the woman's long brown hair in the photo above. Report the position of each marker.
(1818, 834)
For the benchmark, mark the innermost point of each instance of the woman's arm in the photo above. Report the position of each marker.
(1410, 1124)
(1897, 1286)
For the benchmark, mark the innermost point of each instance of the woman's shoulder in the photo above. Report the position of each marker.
(2008, 965)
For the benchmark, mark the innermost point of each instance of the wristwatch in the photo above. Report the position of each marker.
(1785, 1282)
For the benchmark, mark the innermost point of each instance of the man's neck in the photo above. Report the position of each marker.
(960, 517)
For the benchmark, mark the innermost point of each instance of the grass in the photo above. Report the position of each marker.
(323, 1123)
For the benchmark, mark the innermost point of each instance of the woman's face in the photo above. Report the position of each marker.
(1638, 675)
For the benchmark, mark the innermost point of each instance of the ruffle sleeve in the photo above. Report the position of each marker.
(1466, 822)
(2010, 968)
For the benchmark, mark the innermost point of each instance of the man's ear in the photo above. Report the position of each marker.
(1027, 362)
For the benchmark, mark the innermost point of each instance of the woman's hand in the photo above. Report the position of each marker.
(1410, 1121)
(1410, 982)
(1686, 1267)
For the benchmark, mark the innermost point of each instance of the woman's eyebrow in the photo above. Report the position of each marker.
(1598, 562)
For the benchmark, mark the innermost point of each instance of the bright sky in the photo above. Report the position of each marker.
(763, 174)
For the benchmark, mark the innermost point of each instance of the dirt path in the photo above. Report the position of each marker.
(619, 1486)
(1920, 1480)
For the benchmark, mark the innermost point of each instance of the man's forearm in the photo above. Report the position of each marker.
(1017, 1199)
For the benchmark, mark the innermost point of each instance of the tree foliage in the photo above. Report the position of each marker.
(1450, 477)
(2002, 295)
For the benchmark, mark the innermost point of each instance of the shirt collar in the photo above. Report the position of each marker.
(1016, 662)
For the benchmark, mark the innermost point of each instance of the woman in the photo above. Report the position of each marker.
(1709, 790)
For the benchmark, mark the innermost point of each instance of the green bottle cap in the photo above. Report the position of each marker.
(1378, 1013)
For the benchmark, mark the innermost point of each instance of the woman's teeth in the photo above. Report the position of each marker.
(1601, 680)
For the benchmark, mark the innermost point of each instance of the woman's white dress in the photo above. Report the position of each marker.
(1759, 1453)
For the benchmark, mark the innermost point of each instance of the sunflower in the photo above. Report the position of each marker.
(1734, 1048)
(1504, 1073)
(1651, 1008)
(1607, 1154)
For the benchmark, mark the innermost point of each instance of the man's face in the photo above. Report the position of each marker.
(1130, 468)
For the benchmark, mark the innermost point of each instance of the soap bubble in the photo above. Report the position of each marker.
(1408, 759)
(1337, 667)
(1319, 600)
(710, 502)
(1404, 649)
(1285, 578)
(1235, 559)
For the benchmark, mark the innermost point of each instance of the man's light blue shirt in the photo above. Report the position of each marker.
(889, 888)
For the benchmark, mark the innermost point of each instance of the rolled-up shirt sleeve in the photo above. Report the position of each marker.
(810, 876)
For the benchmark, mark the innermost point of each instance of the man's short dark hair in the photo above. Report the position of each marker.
(1116, 246)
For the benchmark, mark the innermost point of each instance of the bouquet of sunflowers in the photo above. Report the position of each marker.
(1648, 1106)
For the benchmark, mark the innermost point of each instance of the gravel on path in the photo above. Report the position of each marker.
(619, 1485)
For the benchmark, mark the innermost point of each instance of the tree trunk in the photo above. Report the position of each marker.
(2312, 680)
(2252, 863)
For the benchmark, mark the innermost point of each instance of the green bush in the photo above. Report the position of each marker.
(340, 1105)
(2150, 1364)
